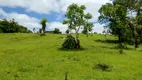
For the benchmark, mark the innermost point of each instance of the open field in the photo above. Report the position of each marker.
(32, 57)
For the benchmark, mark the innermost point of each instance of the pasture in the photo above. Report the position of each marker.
(32, 57)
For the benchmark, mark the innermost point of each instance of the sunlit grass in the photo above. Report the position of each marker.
(34, 57)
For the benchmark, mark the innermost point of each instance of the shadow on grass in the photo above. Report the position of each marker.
(103, 67)
(112, 42)
(42, 34)
(107, 41)
(80, 49)
(125, 48)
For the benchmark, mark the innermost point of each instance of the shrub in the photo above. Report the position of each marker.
(69, 43)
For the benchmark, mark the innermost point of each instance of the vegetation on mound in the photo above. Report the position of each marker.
(70, 43)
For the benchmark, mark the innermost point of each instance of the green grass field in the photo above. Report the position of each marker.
(32, 57)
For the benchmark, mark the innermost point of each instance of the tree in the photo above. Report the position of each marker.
(34, 30)
(89, 25)
(12, 27)
(76, 18)
(40, 30)
(67, 31)
(43, 23)
(135, 22)
(105, 32)
(57, 31)
(88, 28)
(116, 16)
(122, 22)
(138, 22)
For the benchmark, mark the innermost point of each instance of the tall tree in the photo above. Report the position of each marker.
(138, 9)
(121, 20)
(88, 28)
(133, 7)
(88, 25)
(43, 23)
(57, 31)
(116, 16)
(75, 17)
(34, 30)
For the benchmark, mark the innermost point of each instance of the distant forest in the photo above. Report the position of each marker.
(12, 27)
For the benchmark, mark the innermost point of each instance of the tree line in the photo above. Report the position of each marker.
(12, 27)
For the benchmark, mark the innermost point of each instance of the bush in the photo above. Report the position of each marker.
(57, 31)
(69, 43)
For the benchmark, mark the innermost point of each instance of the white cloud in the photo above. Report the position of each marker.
(2, 12)
(42, 6)
(53, 25)
(47, 7)
(31, 22)
(98, 28)
(58, 6)
(92, 6)
(22, 19)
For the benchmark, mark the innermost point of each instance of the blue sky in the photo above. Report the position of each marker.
(51, 17)
(29, 12)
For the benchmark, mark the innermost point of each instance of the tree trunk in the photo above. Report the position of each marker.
(135, 29)
(133, 36)
(77, 40)
(121, 48)
(136, 42)
(91, 33)
(119, 38)
(141, 35)
(87, 34)
(105, 37)
(119, 35)
(136, 38)
(43, 27)
(77, 34)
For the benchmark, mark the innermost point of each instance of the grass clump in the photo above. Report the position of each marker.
(103, 67)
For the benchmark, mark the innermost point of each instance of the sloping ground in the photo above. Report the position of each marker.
(32, 57)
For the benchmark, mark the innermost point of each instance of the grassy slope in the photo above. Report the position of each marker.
(31, 57)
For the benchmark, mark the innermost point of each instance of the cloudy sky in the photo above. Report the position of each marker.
(29, 12)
